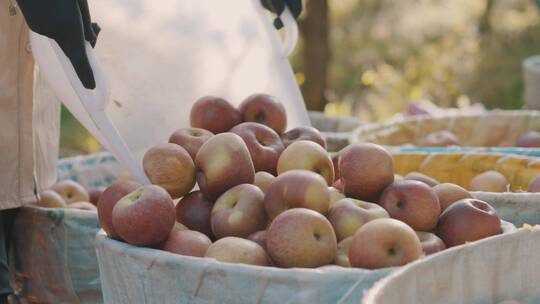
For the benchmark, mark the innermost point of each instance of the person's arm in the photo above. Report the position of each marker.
(67, 22)
(278, 6)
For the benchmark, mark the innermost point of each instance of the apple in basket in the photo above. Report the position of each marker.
(258, 237)
(51, 199)
(384, 243)
(222, 163)
(450, 193)
(145, 216)
(307, 155)
(71, 191)
(303, 133)
(263, 180)
(489, 181)
(263, 143)
(237, 250)
(417, 176)
(430, 243)
(266, 110)
(94, 194)
(187, 242)
(214, 114)
(108, 200)
(297, 189)
(190, 139)
(83, 206)
(348, 214)
(530, 139)
(194, 211)
(342, 254)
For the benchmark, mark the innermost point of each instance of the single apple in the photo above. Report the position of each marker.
(170, 167)
(301, 238)
(342, 254)
(187, 242)
(214, 114)
(222, 163)
(303, 133)
(239, 212)
(51, 199)
(297, 189)
(430, 243)
(194, 211)
(534, 185)
(263, 180)
(237, 250)
(384, 243)
(489, 181)
(266, 110)
(449, 193)
(335, 196)
(441, 139)
(365, 169)
(263, 143)
(530, 139)
(108, 200)
(83, 206)
(412, 202)
(190, 139)
(145, 216)
(94, 194)
(348, 215)
(417, 176)
(468, 220)
(258, 237)
(71, 191)
(307, 155)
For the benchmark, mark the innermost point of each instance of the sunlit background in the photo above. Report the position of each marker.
(370, 58)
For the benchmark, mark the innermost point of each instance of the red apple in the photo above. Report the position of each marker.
(303, 133)
(417, 176)
(108, 200)
(263, 180)
(71, 191)
(449, 194)
(94, 194)
(489, 181)
(239, 212)
(190, 139)
(194, 211)
(237, 250)
(297, 189)
(384, 243)
(222, 163)
(366, 170)
(468, 220)
(258, 237)
(430, 243)
(263, 143)
(301, 238)
(266, 110)
(530, 139)
(214, 114)
(187, 242)
(51, 199)
(412, 202)
(145, 216)
(307, 155)
(348, 215)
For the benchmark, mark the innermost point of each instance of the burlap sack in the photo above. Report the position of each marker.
(492, 270)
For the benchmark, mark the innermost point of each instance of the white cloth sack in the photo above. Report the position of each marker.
(506, 267)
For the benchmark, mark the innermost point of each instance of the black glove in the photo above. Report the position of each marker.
(68, 23)
(278, 6)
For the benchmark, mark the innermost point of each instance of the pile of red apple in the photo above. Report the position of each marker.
(69, 194)
(270, 197)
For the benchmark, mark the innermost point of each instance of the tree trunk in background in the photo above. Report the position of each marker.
(315, 53)
(485, 20)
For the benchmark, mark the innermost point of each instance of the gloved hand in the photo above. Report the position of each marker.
(278, 6)
(68, 22)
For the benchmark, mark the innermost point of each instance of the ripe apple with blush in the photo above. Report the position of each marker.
(258, 237)
(348, 215)
(51, 199)
(412, 202)
(108, 200)
(187, 242)
(94, 194)
(384, 243)
(263, 180)
(263, 143)
(145, 216)
(239, 212)
(417, 176)
(430, 243)
(223, 162)
(301, 237)
(237, 250)
(194, 211)
(297, 189)
(489, 181)
(303, 133)
(71, 191)
(450, 193)
(214, 114)
(190, 139)
(264, 109)
(307, 155)
(468, 220)
(366, 170)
